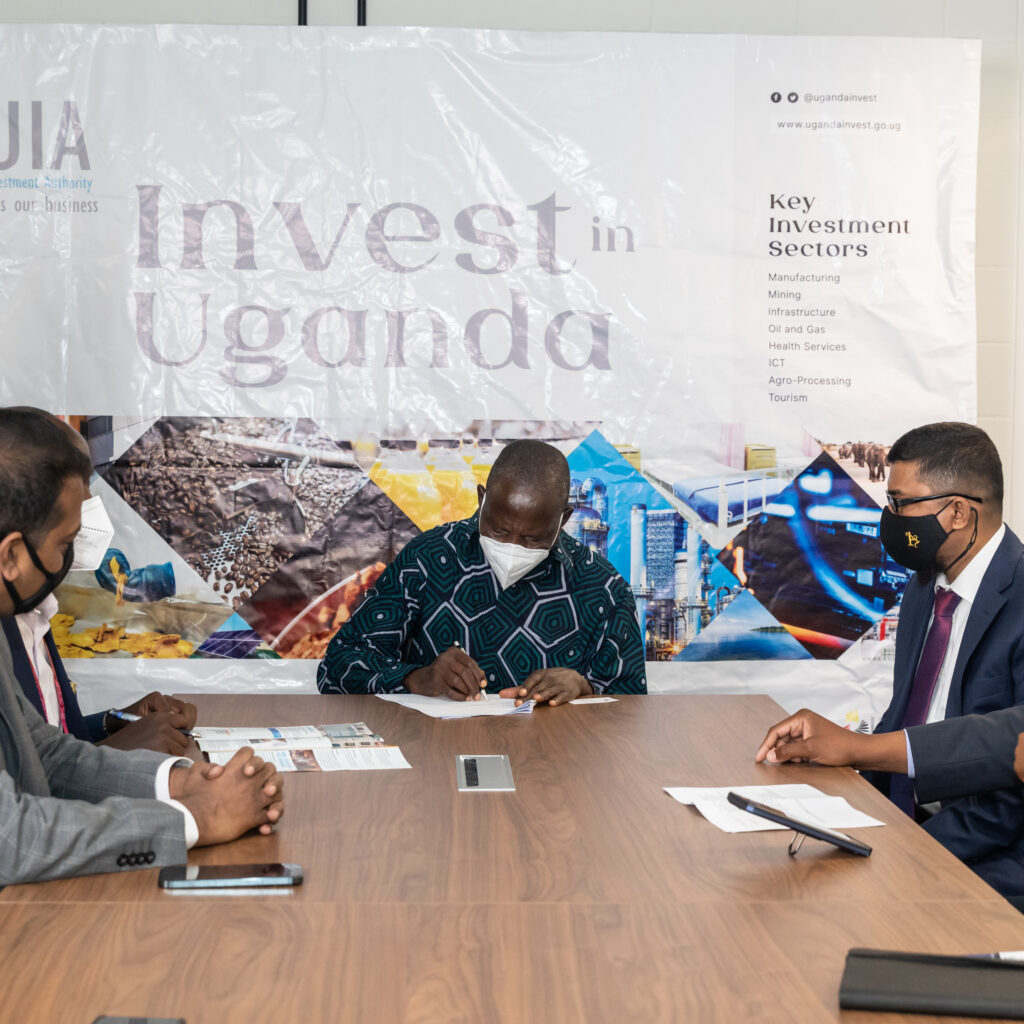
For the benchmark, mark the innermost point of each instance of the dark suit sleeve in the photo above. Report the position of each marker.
(965, 756)
(92, 727)
(981, 825)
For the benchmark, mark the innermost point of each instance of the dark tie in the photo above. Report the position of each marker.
(902, 789)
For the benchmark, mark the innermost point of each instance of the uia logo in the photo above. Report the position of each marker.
(912, 539)
(70, 138)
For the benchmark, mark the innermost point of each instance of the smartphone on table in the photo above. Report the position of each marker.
(229, 876)
(826, 835)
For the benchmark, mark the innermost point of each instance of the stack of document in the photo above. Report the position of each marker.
(303, 748)
(803, 803)
(489, 704)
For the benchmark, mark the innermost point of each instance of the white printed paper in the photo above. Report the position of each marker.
(800, 802)
(332, 759)
(762, 794)
(489, 705)
(221, 740)
(251, 732)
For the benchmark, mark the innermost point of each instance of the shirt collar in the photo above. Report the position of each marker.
(968, 582)
(37, 621)
(561, 549)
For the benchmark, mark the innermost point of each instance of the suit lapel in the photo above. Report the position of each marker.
(990, 599)
(72, 712)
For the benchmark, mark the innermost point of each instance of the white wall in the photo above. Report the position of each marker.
(998, 23)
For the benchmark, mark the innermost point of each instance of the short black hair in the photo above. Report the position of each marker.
(37, 457)
(533, 465)
(955, 458)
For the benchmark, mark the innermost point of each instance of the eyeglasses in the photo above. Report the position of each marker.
(895, 504)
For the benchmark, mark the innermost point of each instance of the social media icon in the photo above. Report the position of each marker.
(792, 97)
(776, 97)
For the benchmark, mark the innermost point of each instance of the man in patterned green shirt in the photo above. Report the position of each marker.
(503, 601)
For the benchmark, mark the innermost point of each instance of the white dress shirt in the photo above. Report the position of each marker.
(966, 586)
(34, 626)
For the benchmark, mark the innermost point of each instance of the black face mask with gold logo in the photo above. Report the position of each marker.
(914, 541)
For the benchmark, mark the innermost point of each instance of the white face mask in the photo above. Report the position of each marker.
(95, 535)
(511, 562)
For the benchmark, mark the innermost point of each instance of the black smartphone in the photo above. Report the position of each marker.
(138, 1020)
(229, 876)
(826, 835)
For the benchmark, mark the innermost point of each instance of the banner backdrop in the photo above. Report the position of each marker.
(298, 287)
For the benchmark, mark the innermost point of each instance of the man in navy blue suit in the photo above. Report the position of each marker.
(960, 640)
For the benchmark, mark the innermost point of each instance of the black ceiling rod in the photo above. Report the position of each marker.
(361, 13)
(303, 18)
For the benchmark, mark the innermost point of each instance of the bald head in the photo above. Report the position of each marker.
(526, 501)
(533, 466)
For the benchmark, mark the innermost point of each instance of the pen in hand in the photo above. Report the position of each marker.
(124, 716)
(128, 716)
(483, 682)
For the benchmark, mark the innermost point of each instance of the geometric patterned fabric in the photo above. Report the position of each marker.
(572, 611)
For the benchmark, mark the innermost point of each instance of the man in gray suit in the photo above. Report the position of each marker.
(67, 807)
(947, 759)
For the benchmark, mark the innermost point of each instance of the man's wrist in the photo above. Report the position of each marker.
(412, 680)
(881, 752)
(189, 822)
(176, 781)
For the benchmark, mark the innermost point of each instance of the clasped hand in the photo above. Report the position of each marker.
(229, 800)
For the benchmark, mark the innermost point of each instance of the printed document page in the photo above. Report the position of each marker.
(327, 759)
(804, 803)
(443, 707)
(215, 739)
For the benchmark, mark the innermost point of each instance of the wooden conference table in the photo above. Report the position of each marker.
(587, 895)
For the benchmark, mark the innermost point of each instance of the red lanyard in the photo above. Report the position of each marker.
(56, 686)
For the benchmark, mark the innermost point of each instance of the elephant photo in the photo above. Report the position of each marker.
(875, 458)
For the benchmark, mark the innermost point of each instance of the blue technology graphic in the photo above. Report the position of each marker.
(744, 631)
(682, 590)
(814, 560)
